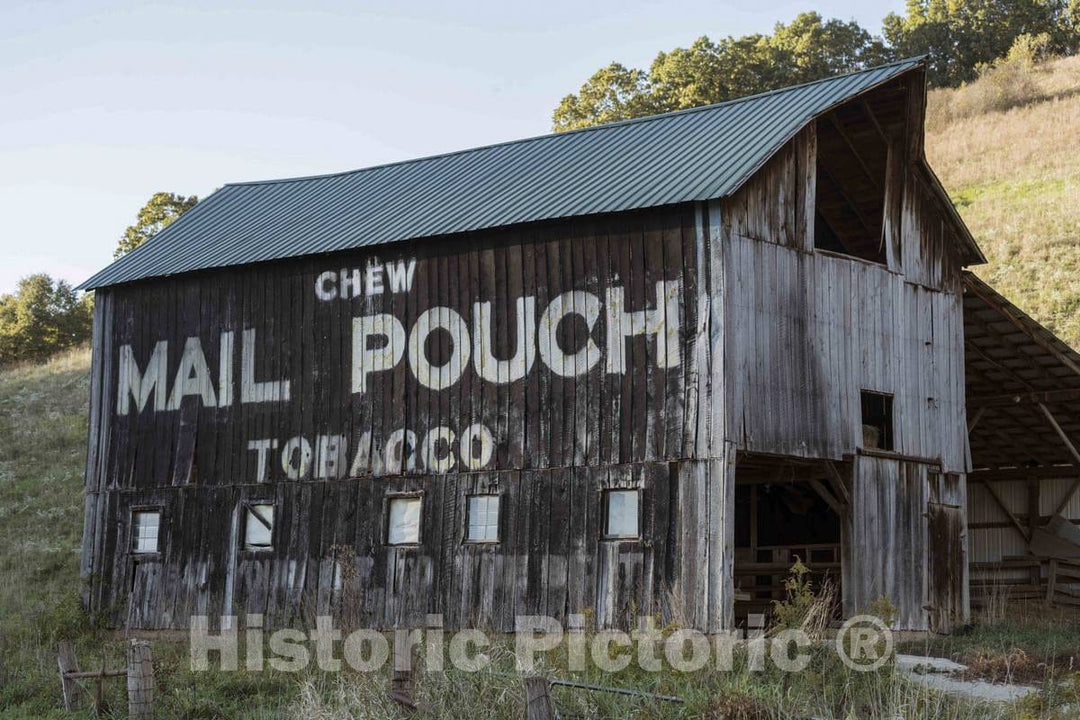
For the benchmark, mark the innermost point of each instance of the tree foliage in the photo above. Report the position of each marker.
(42, 317)
(713, 71)
(960, 36)
(156, 215)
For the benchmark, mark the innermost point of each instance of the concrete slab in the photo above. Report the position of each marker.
(934, 673)
(918, 663)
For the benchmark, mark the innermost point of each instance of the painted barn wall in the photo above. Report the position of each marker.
(562, 433)
(331, 558)
(588, 414)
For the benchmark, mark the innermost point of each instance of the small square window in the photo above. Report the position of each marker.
(877, 420)
(144, 536)
(621, 508)
(483, 512)
(404, 525)
(258, 527)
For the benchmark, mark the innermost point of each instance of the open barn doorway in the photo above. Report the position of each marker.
(786, 511)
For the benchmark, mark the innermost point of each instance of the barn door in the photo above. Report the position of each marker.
(945, 525)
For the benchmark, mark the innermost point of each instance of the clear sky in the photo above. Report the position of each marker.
(104, 103)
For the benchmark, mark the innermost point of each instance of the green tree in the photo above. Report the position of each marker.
(612, 93)
(960, 36)
(708, 72)
(811, 48)
(42, 317)
(156, 215)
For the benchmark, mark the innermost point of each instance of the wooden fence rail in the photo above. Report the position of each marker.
(139, 674)
(1054, 580)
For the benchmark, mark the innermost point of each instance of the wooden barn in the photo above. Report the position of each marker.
(627, 370)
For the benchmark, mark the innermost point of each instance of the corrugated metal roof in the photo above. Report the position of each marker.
(698, 154)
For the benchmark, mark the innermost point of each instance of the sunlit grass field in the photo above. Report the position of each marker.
(1014, 175)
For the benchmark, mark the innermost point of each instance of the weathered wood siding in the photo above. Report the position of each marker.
(609, 397)
(888, 550)
(806, 331)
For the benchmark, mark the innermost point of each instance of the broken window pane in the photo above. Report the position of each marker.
(404, 526)
(259, 527)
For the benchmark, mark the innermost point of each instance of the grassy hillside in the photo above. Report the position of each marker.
(42, 444)
(1014, 174)
(43, 417)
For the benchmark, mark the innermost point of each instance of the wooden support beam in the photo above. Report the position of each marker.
(1001, 504)
(258, 516)
(1003, 342)
(1072, 450)
(839, 127)
(1033, 488)
(874, 121)
(867, 225)
(1061, 433)
(1028, 398)
(827, 497)
(1066, 498)
(1042, 472)
(975, 420)
(972, 285)
(837, 483)
(978, 351)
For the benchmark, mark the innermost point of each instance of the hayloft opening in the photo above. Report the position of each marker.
(877, 420)
(852, 157)
(785, 512)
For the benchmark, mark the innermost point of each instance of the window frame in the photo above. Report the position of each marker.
(889, 425)
(605, 509)
(498, 518)
(133, 529)
(388, 505)
(248, 507)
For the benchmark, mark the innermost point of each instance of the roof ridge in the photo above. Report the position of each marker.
(577, 131)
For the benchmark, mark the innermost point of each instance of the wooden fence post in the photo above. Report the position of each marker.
(538, 699)
(74, 694)
(140, 681)
(1051, 580)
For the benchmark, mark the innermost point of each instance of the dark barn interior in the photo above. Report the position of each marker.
(784, 511)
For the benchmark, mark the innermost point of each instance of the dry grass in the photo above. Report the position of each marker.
(1015, 178)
